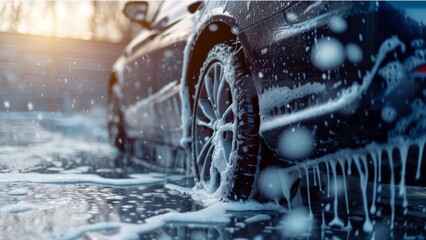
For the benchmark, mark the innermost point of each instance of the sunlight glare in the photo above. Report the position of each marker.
(61, 10)
(85, 9)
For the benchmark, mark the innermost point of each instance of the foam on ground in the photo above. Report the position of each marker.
(215, 213)
(140, 179)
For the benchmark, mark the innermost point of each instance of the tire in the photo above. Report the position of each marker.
(116, 131)
(225, 136)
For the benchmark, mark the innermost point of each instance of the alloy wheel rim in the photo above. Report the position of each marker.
(215, 126)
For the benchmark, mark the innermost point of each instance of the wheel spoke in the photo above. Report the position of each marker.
(228, 111)
(214, 179)
(217, 72)
(227, 127)
(207, 109)
(205, 124)
(209, 88)
(207, 163)
(221, 97)
(226, 145)
(222, 74)
(216, 81)
(203, 152)
(221, 163)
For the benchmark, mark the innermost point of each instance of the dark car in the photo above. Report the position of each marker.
(237, 86)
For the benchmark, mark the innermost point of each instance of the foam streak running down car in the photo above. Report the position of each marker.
(230, 88)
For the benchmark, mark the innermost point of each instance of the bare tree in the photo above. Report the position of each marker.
(11, 14)
(107, 19)
(52, 9)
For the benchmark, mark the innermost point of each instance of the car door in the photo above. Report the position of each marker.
(156, 116)
(283, 49)
(279, 49)
(138, 70)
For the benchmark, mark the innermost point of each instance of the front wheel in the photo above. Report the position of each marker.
(225, 126)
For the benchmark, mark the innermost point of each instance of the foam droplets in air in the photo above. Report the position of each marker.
(297, 223)
(327, 53)
(337, 24)
(354, 53)
(296, 143)
(6, 104)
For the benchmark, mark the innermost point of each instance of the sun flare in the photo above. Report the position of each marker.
(100, 20)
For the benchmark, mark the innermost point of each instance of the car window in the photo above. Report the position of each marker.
(170, 12)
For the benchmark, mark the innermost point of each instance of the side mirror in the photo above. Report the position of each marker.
(194, 6)
(137, 12)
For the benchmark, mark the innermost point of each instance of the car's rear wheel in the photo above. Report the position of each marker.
(117, 134)
(225, 125)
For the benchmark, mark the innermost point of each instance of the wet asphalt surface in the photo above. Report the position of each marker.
(70, 147)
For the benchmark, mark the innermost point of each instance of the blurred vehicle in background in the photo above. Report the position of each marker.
(238, 86)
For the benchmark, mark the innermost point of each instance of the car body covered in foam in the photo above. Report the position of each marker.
(344, 72)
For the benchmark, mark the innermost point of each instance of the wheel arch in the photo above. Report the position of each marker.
(197, 49)
(111, 81)
(204, 41)
(116, 75)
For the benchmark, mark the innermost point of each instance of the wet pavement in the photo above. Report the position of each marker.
(60, 179)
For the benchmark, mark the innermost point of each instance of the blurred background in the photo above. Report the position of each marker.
(57, 55)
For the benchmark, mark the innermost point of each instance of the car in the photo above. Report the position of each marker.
(233, 87)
